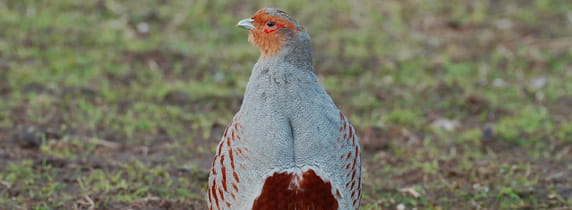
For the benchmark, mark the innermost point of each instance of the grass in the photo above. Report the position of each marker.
(120, 104)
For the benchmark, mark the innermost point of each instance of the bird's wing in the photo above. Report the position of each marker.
(223, 180)
(349, 156)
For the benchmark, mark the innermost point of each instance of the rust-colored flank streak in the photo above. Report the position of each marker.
(311, 193)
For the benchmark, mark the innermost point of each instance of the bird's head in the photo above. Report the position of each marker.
(272, 29)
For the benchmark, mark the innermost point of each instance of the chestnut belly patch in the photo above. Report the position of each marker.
(287, 190)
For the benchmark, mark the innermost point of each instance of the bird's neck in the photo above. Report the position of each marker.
(282, 77)
(300, 59)
(296, 53)
(278, 79)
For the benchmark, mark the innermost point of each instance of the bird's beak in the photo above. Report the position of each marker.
(246, 24)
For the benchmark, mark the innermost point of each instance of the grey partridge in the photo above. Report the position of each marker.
(289, 146)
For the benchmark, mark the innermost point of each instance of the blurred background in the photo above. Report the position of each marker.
(115, 104)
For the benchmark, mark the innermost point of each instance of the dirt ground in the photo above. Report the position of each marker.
(119, 105)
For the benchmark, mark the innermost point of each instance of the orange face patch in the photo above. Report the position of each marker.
(266, 35)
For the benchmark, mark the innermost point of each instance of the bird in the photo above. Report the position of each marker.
(288, 146)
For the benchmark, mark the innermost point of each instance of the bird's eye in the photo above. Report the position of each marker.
(270, 24)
